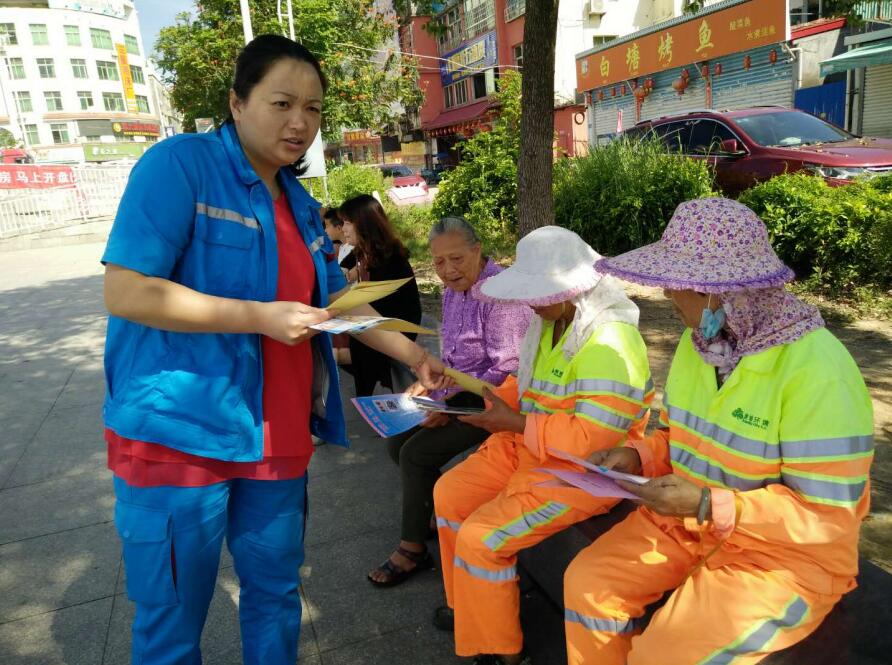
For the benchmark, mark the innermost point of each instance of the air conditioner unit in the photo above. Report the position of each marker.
(596, 8)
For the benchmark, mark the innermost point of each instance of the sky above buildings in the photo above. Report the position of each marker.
(157, 14)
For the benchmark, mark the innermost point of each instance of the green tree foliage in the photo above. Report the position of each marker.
(7, 140)
(621, 196)
(483, 187)
(839, 238)
(353, 40)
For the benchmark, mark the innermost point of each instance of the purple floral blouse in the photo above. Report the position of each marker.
(482, 339)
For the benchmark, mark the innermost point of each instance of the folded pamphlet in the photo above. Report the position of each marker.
(364, 293)
(467, 382)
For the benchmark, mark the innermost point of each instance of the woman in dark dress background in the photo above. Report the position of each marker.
(380, 255)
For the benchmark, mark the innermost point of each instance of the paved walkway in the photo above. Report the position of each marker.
(61, 578)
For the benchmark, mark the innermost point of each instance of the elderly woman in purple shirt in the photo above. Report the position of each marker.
(480, 339)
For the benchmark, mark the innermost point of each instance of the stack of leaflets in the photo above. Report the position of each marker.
(364, 293)
(359, 324)
(428, 404)
(390, 415)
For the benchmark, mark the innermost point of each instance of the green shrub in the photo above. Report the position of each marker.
(483, 187)
(346, 181)
(839, 238)
(620, 196)
(412, 224)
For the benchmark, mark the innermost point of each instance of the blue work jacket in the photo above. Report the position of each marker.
(195, 212)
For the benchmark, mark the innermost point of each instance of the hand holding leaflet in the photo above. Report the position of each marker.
(604, 471)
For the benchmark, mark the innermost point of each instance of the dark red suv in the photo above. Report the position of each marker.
(755, 144)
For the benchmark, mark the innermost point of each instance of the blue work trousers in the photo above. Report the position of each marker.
(172, 537)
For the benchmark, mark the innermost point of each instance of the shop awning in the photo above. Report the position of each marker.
(457, 116)
(877, 53)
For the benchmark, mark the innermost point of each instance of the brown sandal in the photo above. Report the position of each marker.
(397, 575)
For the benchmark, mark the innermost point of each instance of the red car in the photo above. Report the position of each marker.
(756, 144)
(402, 176)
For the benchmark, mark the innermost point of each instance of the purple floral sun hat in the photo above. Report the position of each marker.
(710, 245)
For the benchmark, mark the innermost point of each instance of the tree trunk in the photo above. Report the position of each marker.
(535, 206)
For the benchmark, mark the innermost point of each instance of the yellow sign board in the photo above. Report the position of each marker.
(126, 78)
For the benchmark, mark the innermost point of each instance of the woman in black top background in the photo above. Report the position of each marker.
(380, 255)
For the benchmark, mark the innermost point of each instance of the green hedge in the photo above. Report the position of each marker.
(620, 196)
(839, 238)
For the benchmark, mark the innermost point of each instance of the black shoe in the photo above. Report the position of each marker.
(444, 618)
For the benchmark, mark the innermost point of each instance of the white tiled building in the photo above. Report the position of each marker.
(63, 88)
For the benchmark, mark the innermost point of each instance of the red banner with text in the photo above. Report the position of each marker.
(35, 176)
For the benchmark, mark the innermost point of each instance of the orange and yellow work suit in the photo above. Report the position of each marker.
(492, 505)
(786, 445)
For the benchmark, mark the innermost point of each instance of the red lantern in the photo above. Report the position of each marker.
(680, 84)
(613, 91)
(641, 93)
(649, 83)
(600, 95)
(747, 62)
(622, 90)
(717, 70)
(685, 74)
(704, 71)
(772, 56)
(634, 84)
(588, 99)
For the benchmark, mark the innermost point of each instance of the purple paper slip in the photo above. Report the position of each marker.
(592, 483)
(604, 471)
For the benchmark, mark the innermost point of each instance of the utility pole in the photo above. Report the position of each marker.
(246, 21)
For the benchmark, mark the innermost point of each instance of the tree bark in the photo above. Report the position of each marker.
(535, 206)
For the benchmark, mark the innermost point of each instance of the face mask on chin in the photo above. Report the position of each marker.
(711, 322)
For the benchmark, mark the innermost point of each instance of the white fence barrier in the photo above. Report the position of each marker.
(95, 193)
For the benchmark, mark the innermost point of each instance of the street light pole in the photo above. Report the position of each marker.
(246, 21)
(290, 21)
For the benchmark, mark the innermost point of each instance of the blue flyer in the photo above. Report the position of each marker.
(389, 415)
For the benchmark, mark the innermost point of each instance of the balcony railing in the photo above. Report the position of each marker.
(879, 10)
(480, 19)
(515, 9)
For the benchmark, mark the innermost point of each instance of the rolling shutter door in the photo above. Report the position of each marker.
(877, 119)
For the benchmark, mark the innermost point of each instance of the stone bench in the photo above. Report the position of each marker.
(857, 632)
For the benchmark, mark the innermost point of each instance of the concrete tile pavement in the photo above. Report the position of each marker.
(62, 597)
